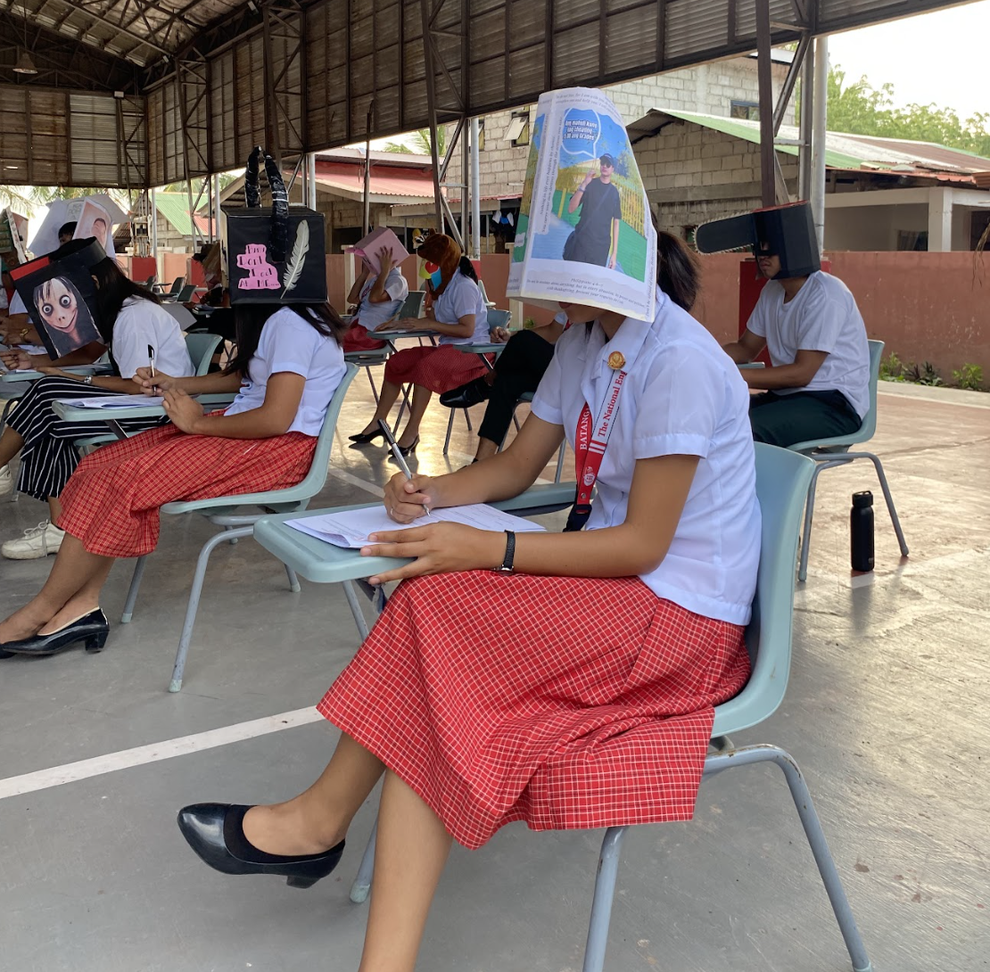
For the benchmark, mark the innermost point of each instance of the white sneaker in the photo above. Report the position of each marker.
(37, 542)
(6, 481)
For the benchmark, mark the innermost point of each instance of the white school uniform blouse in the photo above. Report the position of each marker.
(462, 296)
(682, 396)
(143, 323)
(823, 316)
(370, 314)
(288, 343)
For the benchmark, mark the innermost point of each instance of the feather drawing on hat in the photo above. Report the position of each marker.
(297, 258)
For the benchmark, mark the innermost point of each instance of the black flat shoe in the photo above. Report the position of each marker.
(363, 438)
(473, 393)
(405, 450)
(92, 629)
(215, 831)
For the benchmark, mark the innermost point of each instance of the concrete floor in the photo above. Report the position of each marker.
(885, 712)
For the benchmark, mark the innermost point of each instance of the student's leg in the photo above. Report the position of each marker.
(420, 400)
(318, 818)
(786, 419)
(498, 413)
(386, 399)
(410, 856)
(10, 445)
(72, 589)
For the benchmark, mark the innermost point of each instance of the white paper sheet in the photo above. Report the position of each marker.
(352, 528)
(113, 401)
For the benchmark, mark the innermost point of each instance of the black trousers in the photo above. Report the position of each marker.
(782, 420)
(518, 369)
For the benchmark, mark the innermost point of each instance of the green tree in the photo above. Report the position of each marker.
(419, 142)
(859, 108)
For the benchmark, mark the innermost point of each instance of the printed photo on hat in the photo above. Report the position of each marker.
(584, 210)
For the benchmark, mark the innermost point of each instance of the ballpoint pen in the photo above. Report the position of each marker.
(399, 458)
(151, 361)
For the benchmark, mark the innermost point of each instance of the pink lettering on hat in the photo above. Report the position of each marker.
(262, 275)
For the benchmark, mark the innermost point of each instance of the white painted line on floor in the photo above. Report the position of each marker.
(357, 481)
(140, 755)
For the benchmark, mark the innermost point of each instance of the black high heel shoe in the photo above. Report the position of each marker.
(363, 438)
(92, 628)
(215, 831)
(406, 450)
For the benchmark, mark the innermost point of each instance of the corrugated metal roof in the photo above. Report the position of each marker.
(842, 151)
(174, 206)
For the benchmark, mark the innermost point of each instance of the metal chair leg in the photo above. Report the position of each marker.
(355, 605)
(362, 880)
(132, 591)
(560, 461)
(467, 418)
(813, 831)
(450, 426)
(194, 594)
(890, 501)
(374, 390)
(293, 579)
(809, 513)
(601, 908)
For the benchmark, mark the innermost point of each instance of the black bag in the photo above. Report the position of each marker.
(568, 251)
(276, 254)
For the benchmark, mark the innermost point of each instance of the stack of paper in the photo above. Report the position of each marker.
(113, 401)
(351, 529)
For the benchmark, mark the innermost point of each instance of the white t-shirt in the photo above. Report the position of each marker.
(289, 343)
(682, 396)
(141, 323)
(462, 296)
(823, 316)
(371, 314)
(17, 305)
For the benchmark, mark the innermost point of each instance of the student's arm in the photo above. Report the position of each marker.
(273, 417)
(578, 195)
(18, 329)
(99, 382)
(638, 545)
(746, 348)
(21, 360)
(378, 294)
(215, 383)
(796, 375)
(463, 328)
(354, 297)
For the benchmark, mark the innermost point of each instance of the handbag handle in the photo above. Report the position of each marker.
(279, 238)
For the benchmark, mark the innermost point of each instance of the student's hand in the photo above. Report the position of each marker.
(588, 179)
(406, 499)
(500, 335)
(16, 360)
(158, 385)
(611, 263)
(385, 260)
(439, 548)
(183, 411)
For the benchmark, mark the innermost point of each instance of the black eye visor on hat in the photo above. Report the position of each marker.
(784, 231)
(88, 252)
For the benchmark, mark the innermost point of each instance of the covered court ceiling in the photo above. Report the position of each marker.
(135, 93)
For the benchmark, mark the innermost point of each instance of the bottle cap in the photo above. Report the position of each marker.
(863, 499)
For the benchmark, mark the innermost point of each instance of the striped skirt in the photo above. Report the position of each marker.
(565, 702)
(48, 457)
(111, 503)
(438, 368)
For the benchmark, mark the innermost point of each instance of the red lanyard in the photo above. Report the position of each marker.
(590, 443)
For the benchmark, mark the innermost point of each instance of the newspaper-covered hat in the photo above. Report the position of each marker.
(583, 235)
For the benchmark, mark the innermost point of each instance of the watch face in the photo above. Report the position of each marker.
(502, 569)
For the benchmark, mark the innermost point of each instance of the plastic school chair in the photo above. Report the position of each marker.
(496, 318)
(833, 452)
(222, 511)
(782, 480)
(412, 306)
(200, 347)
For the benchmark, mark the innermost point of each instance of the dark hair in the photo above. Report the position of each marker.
(67, 229)
(113, 288)
(249, 319)
(678, 272)
(467, 268)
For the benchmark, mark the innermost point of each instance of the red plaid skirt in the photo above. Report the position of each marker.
(438, 368)
(565, 702)
(111, 501)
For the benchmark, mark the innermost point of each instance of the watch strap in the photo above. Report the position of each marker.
(510, 552)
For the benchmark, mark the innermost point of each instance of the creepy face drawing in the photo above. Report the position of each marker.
(64, 314)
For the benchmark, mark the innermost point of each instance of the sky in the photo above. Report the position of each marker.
(937, 57)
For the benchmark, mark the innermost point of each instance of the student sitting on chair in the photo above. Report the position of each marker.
(817, 385)
(378, 296)
(459, 315)
(288, 366)
(527, 354)
(133, 326)
(567, 680)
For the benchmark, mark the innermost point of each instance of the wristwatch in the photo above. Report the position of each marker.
(510, 551)
(88, 380)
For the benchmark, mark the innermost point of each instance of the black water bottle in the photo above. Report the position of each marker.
(861, 531)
